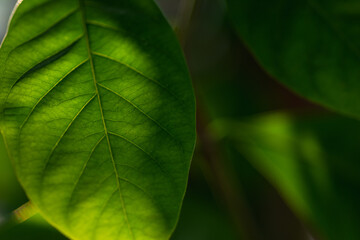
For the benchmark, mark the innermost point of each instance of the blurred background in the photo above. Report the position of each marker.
(268, 164)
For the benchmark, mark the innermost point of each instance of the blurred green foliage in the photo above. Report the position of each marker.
(310, 46)
(310, 161)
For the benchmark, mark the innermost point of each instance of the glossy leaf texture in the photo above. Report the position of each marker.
(311, 160)
(312, 46)
(99, 116)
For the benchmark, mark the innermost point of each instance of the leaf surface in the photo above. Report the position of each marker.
(312, 46)
(98, 112)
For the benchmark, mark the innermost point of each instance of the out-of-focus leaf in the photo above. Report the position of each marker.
(201, 217)
(312, 161)
(312, 46)
(36, 228)
(98, 111)
(11, 193)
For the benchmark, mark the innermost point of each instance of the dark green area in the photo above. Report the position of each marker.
(310, 161)
(312, 46)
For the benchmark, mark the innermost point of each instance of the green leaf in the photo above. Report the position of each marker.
(311, 46)
(98, 112)
(311, 161)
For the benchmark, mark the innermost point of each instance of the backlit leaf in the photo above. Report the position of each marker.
(98, 111)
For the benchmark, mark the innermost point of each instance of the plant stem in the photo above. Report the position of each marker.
(218, 175)
(18, 216)
(222, 181)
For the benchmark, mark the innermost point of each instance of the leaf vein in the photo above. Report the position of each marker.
(46, 30)
(82, 172)
(36, 64)
(103, 208)
(140, 148)
(138, 187)
(56, 84)
(63, 134)
(138, 72)
(138, 108)
(86, 34)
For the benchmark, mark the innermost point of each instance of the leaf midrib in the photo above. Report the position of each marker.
(86, 36)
